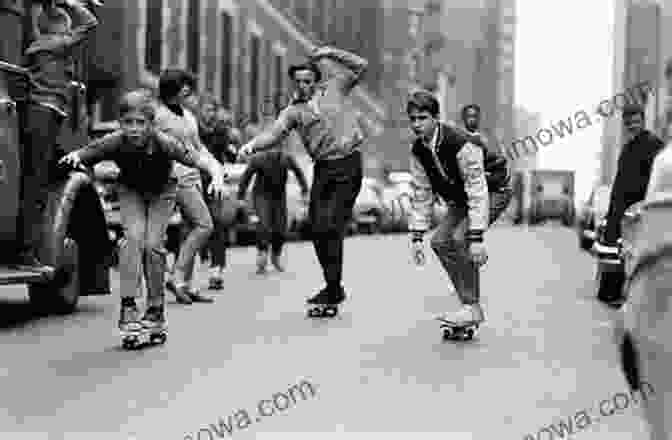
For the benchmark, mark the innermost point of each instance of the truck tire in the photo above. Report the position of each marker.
(61, 295)
(69, 219)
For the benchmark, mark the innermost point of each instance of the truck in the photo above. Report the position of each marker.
(551, 195)
(74, 237)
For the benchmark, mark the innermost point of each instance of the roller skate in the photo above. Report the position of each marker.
(216, 283)
(154, 323)
(262, 262)
(463, 325)
(130, 327)
(325, 303)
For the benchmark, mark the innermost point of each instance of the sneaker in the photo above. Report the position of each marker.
(468, 314)
(276, 261)
(128, 319)
(181, 293)
(320, 298)
(30, 263)
(154, 319)
(196, 296)
(262, 261)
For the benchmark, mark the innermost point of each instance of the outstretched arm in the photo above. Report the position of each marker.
(96, 151)
(272, 137)
(87, 22)
(191, 157)
(354, 64)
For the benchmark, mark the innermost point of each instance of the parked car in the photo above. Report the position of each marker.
(369, 211)
(552, 196)
(396, 201)
(592, 215)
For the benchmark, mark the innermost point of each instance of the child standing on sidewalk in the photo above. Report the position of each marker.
(475, 183)
(147, 189)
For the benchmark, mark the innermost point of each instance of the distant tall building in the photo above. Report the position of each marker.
(462, 50)
(642, 32)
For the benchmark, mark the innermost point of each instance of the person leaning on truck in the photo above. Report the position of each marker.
(632, 177)
(50, 62)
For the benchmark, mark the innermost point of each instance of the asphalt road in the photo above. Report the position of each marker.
(545, 355)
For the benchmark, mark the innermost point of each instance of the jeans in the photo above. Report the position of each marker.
(272, 212)
(145, 221)
(450, 246)
(41, 127)
(197, 216)
(336, 185)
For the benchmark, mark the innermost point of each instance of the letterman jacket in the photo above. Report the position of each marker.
(432, 179)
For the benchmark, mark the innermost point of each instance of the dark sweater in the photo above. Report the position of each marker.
(272, 170)
(632, 178)
(147, 169)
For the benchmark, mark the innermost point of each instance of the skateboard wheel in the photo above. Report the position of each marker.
(330, 312)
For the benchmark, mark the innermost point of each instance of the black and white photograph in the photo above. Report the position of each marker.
(336, 219)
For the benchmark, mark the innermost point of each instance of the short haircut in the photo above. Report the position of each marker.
(137, 101)
(57, 16)
(468, 107)
(305, 66)
(630, 109)
(171, 81)
(423, 101)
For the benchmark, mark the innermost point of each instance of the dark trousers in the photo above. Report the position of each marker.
(272, 211)
(336, 184)
(224, 214)
(41, 127)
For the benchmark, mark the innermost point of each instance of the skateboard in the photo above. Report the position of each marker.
(454, 332)
(322, 310)
(137, 339)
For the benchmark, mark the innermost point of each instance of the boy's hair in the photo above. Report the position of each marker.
(171, 82)
(468, 107)
(630, 109)
(423, 101)
(310, 66)
(137, 100)
(56, 16)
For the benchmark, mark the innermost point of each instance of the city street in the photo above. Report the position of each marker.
(545, 354)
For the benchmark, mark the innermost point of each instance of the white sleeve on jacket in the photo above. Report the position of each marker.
(470, 160)
(422, 198)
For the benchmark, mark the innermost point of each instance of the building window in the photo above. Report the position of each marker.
(226, 55)
(255, 48)
(194, 36)
(318, 18)
(279, 95)
(268, 80)
(153, 35)
(302, 11)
